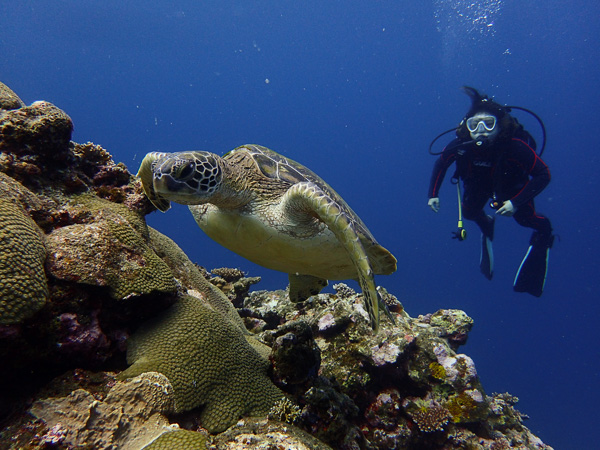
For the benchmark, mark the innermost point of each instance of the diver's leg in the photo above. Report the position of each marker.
(474, 200)
(531, 274)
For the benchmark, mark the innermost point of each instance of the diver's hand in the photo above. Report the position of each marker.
(434, 204)
(507, 209)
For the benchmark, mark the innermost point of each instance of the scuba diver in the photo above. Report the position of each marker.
(496, 159)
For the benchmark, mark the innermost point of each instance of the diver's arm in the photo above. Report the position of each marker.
(440, 167)
(539, 176)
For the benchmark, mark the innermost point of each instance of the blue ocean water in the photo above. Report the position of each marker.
(356, 90)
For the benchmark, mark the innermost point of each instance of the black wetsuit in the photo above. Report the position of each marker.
(506, 170)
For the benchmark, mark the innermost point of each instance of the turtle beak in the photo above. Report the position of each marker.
(146, 174)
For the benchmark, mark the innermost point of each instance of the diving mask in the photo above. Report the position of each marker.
(481, 123)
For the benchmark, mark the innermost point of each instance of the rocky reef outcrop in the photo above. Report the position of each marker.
(110, 337)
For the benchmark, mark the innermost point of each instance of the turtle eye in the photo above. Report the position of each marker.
(187, 170)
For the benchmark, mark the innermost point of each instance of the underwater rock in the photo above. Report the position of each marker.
(295, 356)
(258, 434)
(131, 415)
(110, 249)
(8, 99)
(41, 130)
(405, 387)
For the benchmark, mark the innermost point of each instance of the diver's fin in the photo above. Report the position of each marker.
(303, 286)
(486, 259)
(531, 275)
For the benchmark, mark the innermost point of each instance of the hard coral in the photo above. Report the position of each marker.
(285, 411)
(208, 361)
(178, 439)
(431, 418)
(23, 285)
(190, 276)
(454, 324)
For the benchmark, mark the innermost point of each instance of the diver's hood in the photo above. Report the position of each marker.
(481, 103)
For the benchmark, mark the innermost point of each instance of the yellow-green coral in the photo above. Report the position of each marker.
(89, 203)
(462, 407)
(23, 285)
(285, 411)
(437, 370)
(178, 439)
(208, 361)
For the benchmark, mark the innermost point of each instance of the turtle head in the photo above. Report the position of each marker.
(189, 178)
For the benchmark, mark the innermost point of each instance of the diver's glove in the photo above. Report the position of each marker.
(507, 209)
(434, 204)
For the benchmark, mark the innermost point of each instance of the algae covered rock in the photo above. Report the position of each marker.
(207, 360)
(23, 286)
(130, 416)
(8, 99)
(109, 250)
(40, 129)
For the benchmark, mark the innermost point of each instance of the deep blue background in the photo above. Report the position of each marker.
(356, 91)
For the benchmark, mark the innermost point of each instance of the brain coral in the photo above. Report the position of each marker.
(182, 439)
(207, 360)
(23, 285)
(188, 273)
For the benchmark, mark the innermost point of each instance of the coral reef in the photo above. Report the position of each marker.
(86, 286)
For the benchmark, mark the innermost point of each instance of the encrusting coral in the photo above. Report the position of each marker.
(110, 249)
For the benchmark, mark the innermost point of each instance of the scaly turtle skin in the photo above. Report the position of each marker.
(274, 212)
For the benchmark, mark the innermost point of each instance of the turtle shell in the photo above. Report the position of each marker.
(275, 166)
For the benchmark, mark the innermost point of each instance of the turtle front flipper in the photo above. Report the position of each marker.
(304, 286)
(309, 197)
(146, 174)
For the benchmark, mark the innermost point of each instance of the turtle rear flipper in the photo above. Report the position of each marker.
(304, 286)
(318, 204)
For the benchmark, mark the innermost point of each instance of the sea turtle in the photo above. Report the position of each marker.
(274, 212)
